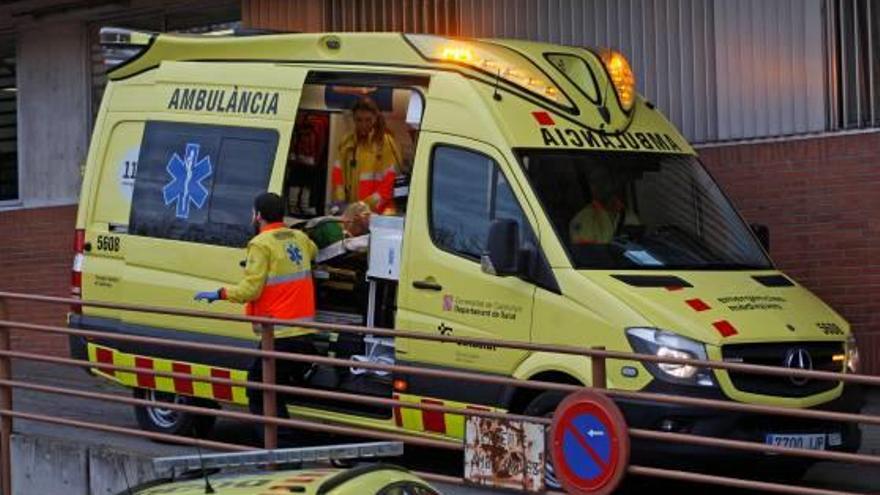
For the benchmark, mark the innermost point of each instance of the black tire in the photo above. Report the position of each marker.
(204, 423)
(543, 406)
(170, 421)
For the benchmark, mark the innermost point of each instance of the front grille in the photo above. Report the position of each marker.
(821, 353)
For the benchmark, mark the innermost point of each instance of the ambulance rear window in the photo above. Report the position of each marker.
(197, 182)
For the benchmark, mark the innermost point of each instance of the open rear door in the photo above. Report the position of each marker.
(197, 175)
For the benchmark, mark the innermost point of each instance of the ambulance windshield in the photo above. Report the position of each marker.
(640, 211)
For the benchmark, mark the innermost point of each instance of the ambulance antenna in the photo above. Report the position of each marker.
(208, 487)
(496, 95)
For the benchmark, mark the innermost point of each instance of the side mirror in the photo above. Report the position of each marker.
(762, 232)
(502, 251)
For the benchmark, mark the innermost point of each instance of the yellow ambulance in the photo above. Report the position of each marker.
(537, 198)
(378, 479)
(374, 479)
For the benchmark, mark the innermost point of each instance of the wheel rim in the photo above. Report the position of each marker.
(163, 417)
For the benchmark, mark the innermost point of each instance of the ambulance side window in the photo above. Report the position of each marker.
(197, 183)
(468, 192)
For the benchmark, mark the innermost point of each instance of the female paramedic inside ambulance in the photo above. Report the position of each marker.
(367, 161)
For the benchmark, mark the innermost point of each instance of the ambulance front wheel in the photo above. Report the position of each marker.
(543, 406)
(172, 421)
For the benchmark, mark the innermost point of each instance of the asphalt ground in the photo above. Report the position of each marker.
(858, 478)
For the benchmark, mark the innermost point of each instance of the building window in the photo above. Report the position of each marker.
(853, 41)
(8, 122)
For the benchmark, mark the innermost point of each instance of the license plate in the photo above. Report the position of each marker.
(809, 442)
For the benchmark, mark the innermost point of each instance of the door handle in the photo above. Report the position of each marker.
(242, 263)
(429, 284)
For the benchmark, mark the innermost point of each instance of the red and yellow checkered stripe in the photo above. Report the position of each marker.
(183, 386)
(441, 423)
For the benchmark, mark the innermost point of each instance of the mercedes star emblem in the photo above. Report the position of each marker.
(798, 358)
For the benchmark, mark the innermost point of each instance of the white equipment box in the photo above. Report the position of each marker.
(386, 242)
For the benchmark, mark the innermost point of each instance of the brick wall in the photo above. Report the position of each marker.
(36, 253)
(821, 199)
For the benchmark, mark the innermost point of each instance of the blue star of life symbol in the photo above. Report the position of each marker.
(186, 187)
(294, 254)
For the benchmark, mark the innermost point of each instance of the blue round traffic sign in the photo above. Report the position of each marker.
(590, 444)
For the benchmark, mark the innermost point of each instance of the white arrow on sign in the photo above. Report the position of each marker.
(595, 433)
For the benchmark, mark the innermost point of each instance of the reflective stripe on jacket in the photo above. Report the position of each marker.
(277, 279)
(365, 172)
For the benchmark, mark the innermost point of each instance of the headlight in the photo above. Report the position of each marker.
(852, 355)
(667, 344)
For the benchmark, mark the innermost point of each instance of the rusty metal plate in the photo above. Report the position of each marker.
(504, 454)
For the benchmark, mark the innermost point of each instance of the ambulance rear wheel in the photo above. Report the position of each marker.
(171, 421)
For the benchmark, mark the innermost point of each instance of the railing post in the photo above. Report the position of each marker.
(270, 398)
(598, 363)
(6, 405)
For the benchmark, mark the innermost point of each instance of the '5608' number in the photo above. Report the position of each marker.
(107, 243)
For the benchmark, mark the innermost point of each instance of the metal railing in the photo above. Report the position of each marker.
(270, 390)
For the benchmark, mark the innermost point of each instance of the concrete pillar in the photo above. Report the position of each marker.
(53, 110)
(45, 465)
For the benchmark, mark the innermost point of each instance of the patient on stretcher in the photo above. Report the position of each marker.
(336, 236)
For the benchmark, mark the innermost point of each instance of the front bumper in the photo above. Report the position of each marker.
(749, 427)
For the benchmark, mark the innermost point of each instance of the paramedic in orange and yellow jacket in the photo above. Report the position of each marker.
(367, 161)
(277, 284)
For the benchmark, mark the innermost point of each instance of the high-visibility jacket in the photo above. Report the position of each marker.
(596, 223)
(365, 172)
(277, 279)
